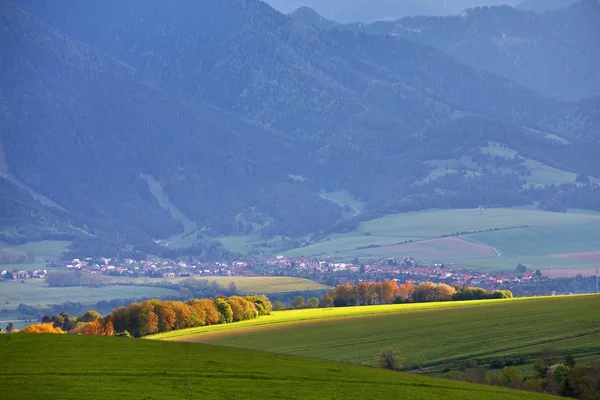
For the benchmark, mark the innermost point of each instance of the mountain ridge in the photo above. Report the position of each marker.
(223, 105)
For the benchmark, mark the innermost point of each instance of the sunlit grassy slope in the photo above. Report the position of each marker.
(424, 333)
(69, 366)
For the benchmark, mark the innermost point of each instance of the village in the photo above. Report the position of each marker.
(324, 271)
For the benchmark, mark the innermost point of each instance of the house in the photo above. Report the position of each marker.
(21, 275)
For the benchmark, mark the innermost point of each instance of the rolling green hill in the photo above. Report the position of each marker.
(495, 239)
(69, 366)
(480, 330)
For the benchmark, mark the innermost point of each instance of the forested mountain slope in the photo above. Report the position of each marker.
(544, 5)
(243, 115)
(551, 52)
(370, 10)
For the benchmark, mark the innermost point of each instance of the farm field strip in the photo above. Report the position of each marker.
(250, 284)
(478, 332)
(104, 367)
(36, 293)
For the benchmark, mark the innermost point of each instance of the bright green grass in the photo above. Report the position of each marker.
(35, 292)
(296, 316)
(318, 314)
(460, 330)
(69, 366)
(45, 250)
(254, 285)
(429, 224)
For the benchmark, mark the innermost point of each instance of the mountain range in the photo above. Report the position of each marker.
(368, 11)
(550, 52)
(243, 117)
(365, 11)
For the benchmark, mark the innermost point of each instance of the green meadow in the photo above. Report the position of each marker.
(523, 235)
(35, 292)
(426, 334)
(71, 366)
(44, 250)
(250, 284)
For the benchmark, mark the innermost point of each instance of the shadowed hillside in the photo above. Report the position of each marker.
(241, 116)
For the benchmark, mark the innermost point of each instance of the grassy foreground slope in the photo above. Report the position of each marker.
(458, 330)
(67, 366)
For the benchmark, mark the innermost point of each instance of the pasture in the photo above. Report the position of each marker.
(251, 284)
(71, 366)
(519, 235)
(45, 250)
(35, 292)
(426, 334)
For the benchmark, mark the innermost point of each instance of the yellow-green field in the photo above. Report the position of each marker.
(426, 334)
(253, 285)
(72, 366)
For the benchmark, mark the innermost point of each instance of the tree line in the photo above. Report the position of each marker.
(156, 316)
(387, 292)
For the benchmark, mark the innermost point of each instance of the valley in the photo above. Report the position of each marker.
(239, 199)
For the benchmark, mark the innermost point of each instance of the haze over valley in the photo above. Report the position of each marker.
(289, 179)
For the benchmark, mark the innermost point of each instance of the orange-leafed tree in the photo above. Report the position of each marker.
(365, 293)
(166, 317)
(389, 291)
(109, 329)
(94, 328)
(406, 290)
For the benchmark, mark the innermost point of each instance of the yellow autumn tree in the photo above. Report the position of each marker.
(42, 328)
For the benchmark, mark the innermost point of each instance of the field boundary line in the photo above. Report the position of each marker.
(495, 250)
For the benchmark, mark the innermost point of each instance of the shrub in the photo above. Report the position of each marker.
(455, 375)
(510, 377)
(390, 358)
(42, 328)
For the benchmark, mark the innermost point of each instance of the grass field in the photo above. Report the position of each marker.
(547, 233)
(35, 292)
(44, 250)
(70, 366)
(254, 285)
(425, 333)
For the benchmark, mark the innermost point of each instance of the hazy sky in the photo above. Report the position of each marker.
(368, 10)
